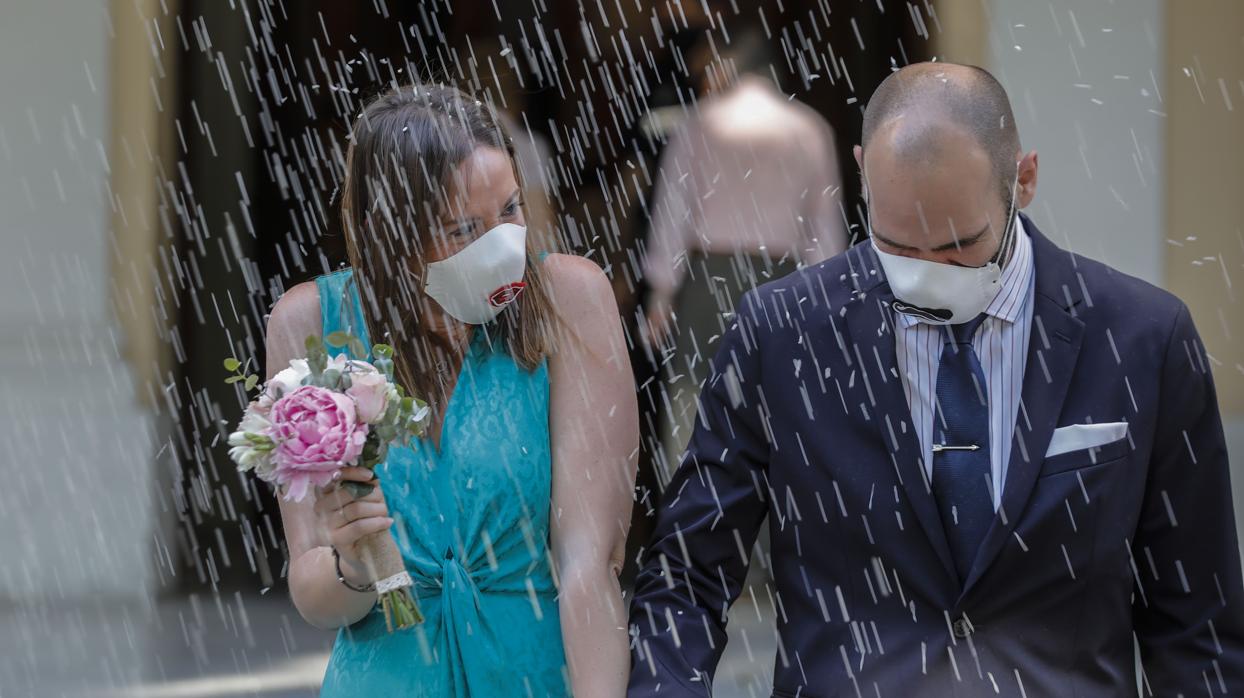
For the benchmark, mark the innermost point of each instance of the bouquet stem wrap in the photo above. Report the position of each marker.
(393, 584)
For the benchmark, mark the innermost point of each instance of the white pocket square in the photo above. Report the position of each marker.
(1078, 437)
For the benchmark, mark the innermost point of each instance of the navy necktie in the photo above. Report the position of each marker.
(961, 474)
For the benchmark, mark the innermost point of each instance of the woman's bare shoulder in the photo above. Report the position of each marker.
(577, 278)
(583, 298)
(295, 316)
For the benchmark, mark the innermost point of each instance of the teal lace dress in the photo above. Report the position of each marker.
(472, 523)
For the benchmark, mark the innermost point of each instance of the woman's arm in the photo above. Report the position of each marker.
(322, 600)
(594, 427)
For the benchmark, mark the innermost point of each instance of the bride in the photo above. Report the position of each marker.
(511, 513)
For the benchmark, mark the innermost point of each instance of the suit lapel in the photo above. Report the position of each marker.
(870, 332)
(1053, 349)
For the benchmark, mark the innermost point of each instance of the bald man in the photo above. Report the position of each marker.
(990, 466)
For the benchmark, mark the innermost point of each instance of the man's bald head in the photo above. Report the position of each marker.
(940, 158)
(916, 105)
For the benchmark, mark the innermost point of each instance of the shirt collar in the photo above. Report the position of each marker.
(1012, 294)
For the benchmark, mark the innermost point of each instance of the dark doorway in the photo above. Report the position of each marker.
(267, 89)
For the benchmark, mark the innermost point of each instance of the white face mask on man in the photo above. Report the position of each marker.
(480, 280)
(940, 293)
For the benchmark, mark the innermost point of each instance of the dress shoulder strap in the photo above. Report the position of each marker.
(340, 307)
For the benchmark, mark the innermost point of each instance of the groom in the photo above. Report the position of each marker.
(990, 466)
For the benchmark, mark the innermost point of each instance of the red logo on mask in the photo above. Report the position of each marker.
(506, 294)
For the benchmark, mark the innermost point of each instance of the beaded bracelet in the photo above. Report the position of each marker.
(342, 578)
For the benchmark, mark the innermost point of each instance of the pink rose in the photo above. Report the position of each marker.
(317, 432)
(370, 391)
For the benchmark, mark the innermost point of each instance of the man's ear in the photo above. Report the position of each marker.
(858, 151)
(1027, 180)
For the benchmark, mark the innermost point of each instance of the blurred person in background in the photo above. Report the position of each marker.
(747, 191)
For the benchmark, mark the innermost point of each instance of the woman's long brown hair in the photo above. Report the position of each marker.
(403, 150)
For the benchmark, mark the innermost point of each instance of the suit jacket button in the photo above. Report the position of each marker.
(962, 628)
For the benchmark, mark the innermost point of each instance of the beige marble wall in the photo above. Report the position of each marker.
(1204, 104)
(1190, 148)
(78, 508)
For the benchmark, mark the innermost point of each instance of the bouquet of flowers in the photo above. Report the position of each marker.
(320, 415)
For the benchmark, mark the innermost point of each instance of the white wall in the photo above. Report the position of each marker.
(1103, 174)
(1085, 78)
(75, 449)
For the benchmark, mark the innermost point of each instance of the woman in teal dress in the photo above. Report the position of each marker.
(511, 512)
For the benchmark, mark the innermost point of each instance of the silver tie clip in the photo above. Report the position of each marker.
(938, 448)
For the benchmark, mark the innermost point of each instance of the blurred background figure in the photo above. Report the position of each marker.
(748, 189)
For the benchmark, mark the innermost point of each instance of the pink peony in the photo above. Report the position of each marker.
(317, 432)
(370, 391)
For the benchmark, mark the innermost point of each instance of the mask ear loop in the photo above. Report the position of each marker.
(418, 283)
(1008, 234)
(868, 205)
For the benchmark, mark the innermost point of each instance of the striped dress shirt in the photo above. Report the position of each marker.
(1001, 344)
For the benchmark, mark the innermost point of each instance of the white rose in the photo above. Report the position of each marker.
(255, 423)
(288, 380)
(343, 364)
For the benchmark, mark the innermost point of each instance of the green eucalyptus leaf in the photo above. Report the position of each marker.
(330, 378)
(371, 447)
(252, 381)
(357, 489)
(234, 379)
(421, 412)
(421, 416)
(357, 348)
(317, 362)
(232, 364)
(338, 339)
(383, 351)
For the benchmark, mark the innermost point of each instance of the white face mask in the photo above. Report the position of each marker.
(478, 282)
(944, 294)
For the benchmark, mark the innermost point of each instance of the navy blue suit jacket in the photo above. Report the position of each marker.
(804, 420)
